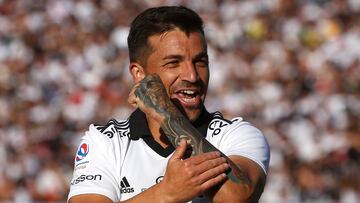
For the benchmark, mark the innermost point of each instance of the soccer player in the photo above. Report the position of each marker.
(170, 149)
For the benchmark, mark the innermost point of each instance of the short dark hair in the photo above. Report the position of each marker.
(158, 20)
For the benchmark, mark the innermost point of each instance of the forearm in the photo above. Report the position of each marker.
(177, 127)
(154, 194)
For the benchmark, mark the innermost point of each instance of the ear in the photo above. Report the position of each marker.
(137, 72)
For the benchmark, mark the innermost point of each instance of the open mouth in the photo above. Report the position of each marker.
(188, 97)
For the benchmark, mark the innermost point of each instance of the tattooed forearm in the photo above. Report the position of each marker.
(176, 126)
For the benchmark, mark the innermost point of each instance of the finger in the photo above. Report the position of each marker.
(211, 164)
(180, 150)
(213, 172)
(213, 181)
(198, 159)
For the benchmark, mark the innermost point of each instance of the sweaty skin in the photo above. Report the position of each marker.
(152, 98)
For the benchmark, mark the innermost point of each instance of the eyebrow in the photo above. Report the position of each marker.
(201, 55)
(173, 56)
(179, 57)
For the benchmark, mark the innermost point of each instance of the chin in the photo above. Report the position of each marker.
(193, 115)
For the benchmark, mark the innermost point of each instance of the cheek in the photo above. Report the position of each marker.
(168, 79)
(204, 75)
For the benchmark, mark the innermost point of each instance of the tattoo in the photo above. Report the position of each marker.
(152, 93)
(176, 126)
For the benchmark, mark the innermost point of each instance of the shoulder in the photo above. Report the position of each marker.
(219, 124)
(112, 128)
(239, 137)
(113, 134)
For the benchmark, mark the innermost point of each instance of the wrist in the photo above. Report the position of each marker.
(165, 194)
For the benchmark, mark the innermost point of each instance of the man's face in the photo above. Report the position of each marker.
(181, 61)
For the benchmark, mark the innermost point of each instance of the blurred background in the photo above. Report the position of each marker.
(291, 67)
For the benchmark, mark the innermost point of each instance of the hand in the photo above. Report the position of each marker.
(186, 179)
(149, 95)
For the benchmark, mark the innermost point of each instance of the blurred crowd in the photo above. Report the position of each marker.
(291, 67)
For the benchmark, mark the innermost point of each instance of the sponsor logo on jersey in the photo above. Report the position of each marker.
(82, 152)
(216, 126)
(125, 186)
(83, 178)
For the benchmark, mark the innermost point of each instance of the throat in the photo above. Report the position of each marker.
(158, 135)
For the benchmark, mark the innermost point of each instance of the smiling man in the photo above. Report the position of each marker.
(170, 149)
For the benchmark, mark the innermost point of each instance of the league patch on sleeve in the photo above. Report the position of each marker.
(82, 156)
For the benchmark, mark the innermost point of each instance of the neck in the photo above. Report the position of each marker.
(157, 133)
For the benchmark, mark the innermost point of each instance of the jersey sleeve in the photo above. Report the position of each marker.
(243, 139)
(95, 166)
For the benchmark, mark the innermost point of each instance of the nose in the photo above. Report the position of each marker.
(189, 73)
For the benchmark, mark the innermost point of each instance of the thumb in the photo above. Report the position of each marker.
(132, 99)
(180, 150)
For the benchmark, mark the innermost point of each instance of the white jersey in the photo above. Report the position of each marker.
(121, 159)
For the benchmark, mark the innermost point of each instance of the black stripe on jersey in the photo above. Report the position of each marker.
(120, 125)
(100, 128)
(113, 127)
(218, 115)
(108, 130)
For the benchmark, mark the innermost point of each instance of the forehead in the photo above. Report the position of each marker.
(177, 42)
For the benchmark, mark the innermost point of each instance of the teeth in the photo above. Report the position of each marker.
(188, 91)
(189, 99)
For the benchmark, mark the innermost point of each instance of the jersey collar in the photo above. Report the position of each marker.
(139, 127)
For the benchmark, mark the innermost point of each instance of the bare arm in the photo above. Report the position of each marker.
(248, 180)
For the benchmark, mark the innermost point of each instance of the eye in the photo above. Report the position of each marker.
(172, 63)
(202, 63)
